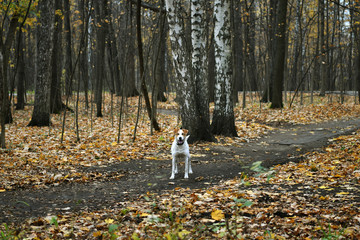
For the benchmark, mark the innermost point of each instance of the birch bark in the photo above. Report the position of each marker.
(190, 68)
(223, 122)
(200, 69)
(179, 59)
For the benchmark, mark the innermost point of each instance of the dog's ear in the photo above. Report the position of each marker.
(185, 131)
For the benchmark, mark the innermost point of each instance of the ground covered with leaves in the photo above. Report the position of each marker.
(316, 198)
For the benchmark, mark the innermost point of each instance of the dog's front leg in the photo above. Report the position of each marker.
(173, 168)
(186, 167)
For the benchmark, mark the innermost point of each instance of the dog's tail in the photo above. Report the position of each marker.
(187, 137)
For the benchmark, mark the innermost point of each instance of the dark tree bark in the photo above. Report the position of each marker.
(5, 49)
(68, 52)
(237, 48)
(41, 113)
(277, 73)
(271, 22)
(101, 23)
(161, 80)
(356, 28)
(211, 70)
(142, 69)
(250, 61)
(127, 52)
(323, 48)
(56, 104)
(114, 57)
(84, 72)
(20, 104)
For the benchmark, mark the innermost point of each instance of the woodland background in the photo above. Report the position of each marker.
(127, 48)
(229, 71)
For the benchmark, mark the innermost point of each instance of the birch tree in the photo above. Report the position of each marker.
(191, 92)
(200, 69)
(223, 121)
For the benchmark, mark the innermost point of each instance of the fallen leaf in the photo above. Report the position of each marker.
(217, 215)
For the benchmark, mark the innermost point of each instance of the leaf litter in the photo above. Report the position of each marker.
(312, 199)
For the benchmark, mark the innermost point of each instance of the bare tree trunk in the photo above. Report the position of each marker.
(323, 48)
(356, 27)
(271, 21)
(41, 112)
(202, 128)
(181, 57)
(187, 86)
(68, 52)
(128, 50)
(101, 22)
(279, 59)
(142, 69)
(114, 57)
(250, 46)
(84, 72)
(223, 121)
(20, 104)
(3, 95)
(55, 90)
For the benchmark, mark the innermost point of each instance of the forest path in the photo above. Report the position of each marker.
(142, 176)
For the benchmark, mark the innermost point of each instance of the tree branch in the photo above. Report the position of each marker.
(149, 6)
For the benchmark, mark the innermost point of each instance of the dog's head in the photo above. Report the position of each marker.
(181, 136)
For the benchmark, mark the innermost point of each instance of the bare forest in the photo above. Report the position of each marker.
(204, 51)
(90, 83)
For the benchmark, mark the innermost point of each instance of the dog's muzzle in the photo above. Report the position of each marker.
(180, 141)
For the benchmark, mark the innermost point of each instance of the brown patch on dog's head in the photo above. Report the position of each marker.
(177, 131)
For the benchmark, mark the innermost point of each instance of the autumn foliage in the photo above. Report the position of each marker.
(314, 198)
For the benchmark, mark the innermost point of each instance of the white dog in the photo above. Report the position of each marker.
(180, 150)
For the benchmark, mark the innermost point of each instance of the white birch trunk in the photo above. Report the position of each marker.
(200, 69)
(223, 119)
(190, 69)
(180, 59)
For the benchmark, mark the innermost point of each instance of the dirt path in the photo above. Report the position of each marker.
(142, 176)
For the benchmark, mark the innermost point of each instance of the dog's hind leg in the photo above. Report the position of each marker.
(190, 169)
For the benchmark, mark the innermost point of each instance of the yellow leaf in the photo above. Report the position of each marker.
(168, 236)
(109, 220)
(183, 233)
(144, 215)
(343, 193)
(113, 143)
(2, 190)
(217, 215)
